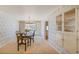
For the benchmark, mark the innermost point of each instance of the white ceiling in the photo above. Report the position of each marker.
(26, 11)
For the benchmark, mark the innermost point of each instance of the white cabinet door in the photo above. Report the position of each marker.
(59, 38)
(78, 42)
(78, 32)
(70, 42)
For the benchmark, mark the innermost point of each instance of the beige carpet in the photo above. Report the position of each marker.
(38, 47)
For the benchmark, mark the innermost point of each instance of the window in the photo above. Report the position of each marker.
(30, 26)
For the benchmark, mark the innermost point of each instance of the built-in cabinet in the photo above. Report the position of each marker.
(59, 29)
(78, 30)
(67, 23)
(70, 31)
(59, 22)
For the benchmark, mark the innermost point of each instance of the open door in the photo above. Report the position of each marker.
(46, 30)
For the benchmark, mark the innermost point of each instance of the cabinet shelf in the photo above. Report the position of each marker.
(59, 22)
(69, 25)
(69, 28)
(69, 21)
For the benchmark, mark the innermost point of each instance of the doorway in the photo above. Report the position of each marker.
(46, 30)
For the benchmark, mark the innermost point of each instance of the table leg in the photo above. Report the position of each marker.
(25, 45)
(30, 41)
(18, 47)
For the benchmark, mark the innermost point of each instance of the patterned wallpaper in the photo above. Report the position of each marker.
(8, 27)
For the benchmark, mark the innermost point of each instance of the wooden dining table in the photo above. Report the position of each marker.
(26, 36)
(23, 37)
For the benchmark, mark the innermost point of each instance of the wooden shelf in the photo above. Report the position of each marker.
(69, 21)
(69, 28)
(59, 22)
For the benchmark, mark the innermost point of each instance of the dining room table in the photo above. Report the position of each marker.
(26, 36)
(23, 37)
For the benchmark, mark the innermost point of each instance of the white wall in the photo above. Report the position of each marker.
(43, 29)
(8, 27)
(52, 28)
(21, 26)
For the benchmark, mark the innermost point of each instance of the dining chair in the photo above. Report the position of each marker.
(33, 34)
(21, 40)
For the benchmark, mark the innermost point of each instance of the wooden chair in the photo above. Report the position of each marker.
(21, 40)
(33, 34)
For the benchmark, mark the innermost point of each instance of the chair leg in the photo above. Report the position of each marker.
(30, 41)
(18, 47)
(25, 45)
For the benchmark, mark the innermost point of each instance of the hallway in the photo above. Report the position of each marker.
(38, 47)
(62, 29)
